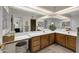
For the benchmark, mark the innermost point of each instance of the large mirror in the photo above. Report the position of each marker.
(40, 25)
(66, 24)
(18, 24)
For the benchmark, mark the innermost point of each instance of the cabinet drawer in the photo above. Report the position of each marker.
(71, 42)
(35, 43)
(36, 39)
(44, 41)
(44, 45)
(8, 38)
(36, 48)
(61, 39)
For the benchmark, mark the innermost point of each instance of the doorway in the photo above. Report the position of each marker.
(33, 25)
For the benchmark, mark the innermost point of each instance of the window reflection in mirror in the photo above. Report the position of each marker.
(18, 24)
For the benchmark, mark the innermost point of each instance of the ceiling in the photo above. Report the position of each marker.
(54, 8)
(51, 9)
(24, 13)
(72, 14)
(59, 8)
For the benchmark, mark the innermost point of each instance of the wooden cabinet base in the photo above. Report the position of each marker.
(34, 44)
(66, 41)
(61, 39)
(71, 43)
(8, 39)
(40, 42)
(44, 41)
(51, 38)
(35, 49)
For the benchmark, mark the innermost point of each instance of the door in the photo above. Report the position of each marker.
(33, 25)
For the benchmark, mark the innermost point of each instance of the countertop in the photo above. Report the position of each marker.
(27, 35)
(72, 33)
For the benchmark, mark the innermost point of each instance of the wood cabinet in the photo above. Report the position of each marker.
(61, 39)
(39, 42)
(66, 41)
(44, 41)
(35, 44)
(8, 39)
(71, 42)
(51, 38)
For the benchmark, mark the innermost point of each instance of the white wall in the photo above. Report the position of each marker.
(4, 16)
(6, 24)
(0, 24)
(74, 22)
(74, 25)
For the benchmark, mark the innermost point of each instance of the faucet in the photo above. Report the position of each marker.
(68, 32)
(43, 31)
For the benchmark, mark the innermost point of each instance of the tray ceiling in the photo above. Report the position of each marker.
(54, 8)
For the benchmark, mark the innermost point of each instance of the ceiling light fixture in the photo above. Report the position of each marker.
(68, 10)
(40, 9)
(54, 16)
(27, 9)
(61, 17)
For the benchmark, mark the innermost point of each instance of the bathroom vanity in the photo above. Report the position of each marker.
(44, 39)
(38, 40)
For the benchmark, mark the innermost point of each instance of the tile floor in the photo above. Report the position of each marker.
(0, 51)
(55, 49)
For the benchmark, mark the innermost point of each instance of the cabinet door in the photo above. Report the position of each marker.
(35, 44)
(44, 41)
(8, 38)
(71, 42)
(51, 38)
(35, 49)
(61, 39)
